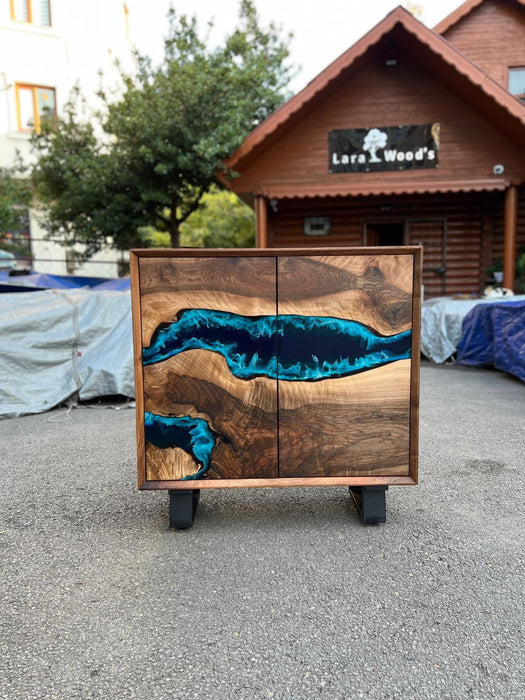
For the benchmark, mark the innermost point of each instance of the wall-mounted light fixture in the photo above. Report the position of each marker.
(274, 205)
(498, 169)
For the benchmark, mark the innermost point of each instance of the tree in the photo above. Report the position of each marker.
(15, 198)
(87, 195)
(221, 221)
(163, 140)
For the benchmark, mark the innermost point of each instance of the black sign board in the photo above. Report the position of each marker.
(383, 148)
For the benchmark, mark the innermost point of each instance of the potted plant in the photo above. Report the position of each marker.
(495, 271)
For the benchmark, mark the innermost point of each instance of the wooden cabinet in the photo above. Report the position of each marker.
(276, 367)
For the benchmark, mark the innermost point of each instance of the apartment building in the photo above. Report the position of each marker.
(46, 48)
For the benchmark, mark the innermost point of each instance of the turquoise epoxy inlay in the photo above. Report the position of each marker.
(284, 347)
(193, 435)
(287, 347)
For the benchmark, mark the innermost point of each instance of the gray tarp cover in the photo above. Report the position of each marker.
(59, 344)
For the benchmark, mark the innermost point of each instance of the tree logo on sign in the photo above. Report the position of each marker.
(374, 140)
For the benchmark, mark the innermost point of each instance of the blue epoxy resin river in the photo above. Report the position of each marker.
(193, 435)
(285, 347)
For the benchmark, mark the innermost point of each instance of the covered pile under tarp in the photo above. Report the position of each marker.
(442, 320)
(58, 344)
(494, 334)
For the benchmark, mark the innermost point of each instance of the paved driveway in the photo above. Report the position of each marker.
(274, 593)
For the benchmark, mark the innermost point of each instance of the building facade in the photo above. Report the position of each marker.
(46, 48)
(412, 136)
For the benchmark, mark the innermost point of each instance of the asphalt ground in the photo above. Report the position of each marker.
(274, 593)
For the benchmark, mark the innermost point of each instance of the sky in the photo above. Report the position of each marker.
(322, 29)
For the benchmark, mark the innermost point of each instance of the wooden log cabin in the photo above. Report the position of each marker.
(412, 136)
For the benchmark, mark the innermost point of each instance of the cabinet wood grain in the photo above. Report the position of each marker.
(259, 366)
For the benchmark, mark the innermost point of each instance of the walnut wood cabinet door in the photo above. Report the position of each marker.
(208, 364)
(345, 326)
(276, 365)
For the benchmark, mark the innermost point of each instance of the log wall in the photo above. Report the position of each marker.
(473, 226)
(491, 35)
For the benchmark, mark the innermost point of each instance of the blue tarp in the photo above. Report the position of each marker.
(117, 285)
(494, 334)
(10, 288)
(39, 280)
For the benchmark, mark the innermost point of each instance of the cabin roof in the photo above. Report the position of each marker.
(504, 109)
(460, 12)
(385, 188)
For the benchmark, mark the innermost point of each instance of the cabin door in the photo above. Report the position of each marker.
(432, 235)
(384, 233)
(343, 398)
(210, 407)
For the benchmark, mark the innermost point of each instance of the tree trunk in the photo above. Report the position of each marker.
(174, 227)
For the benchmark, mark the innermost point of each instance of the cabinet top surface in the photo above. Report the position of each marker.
(272, 252)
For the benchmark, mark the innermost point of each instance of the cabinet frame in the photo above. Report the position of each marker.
(376, 480)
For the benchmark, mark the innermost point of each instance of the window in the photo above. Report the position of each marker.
(34, 105)
(32, 12)
(517, 82)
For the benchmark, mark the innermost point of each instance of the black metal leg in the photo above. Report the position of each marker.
(370, 502)
(183, 506)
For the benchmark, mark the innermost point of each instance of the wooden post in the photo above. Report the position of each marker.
(262, 222)
(509, 239)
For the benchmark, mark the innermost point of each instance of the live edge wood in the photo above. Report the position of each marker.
(352, 430)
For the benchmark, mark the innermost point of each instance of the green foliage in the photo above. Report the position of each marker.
(221, 221)
(163, 140)
(86, 193)
(519, 269)
(15, 197)
(154, 238)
